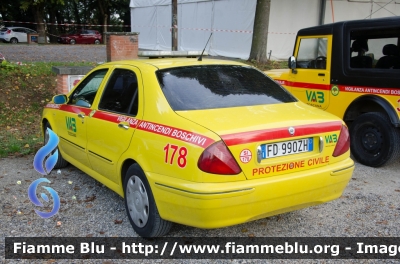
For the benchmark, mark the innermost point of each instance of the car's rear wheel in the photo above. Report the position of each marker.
(140, 205)
(14, 41)
(72, 41)
(97, 42)
(61, 162)
(374, 141)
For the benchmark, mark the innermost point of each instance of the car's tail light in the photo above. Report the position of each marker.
(217, 159)
(343, 144)
(8, 31)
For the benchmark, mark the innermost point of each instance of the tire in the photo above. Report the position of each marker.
(373, 140)
(72, 41)
(97, 42)
(61, 162)
(14, 41)
(140, 205)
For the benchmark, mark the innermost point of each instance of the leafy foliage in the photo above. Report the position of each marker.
(88, 12)
(6, 65)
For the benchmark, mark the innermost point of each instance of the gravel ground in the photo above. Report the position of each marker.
(369, 207)
(53, 52)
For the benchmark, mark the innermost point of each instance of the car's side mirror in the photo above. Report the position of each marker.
(292, 63)
(60, 99)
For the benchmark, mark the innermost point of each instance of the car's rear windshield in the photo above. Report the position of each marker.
(4, 29)
(210, 87)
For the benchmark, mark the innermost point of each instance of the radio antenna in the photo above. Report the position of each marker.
(201, 56)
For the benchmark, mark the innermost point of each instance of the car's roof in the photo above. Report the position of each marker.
(176, 62)
(16, 27)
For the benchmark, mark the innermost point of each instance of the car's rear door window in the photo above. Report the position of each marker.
(221, 86)
(121, 93)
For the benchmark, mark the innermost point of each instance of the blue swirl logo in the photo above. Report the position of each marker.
(44, 161)
(32, 196)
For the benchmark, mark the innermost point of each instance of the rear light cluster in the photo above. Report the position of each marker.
(217, 159)
(8, 31)
(343, 144)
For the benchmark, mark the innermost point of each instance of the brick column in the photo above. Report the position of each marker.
(63, 73)
(122, 45)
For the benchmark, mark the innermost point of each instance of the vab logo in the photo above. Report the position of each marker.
(43, 163)
(331, 139)
(32, 196)
(317, 97)
(71, 123)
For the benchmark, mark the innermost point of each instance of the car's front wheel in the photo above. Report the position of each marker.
(72, 41)
(373, 140)
(61, 162)
(140, 205)
(14, 41)
(97, 42)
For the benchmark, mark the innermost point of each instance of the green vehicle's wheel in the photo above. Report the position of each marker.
(373, 140)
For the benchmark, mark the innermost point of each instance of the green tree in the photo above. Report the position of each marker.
(38, 9)
(52, 12)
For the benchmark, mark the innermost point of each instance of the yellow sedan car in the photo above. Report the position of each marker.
(207, 144)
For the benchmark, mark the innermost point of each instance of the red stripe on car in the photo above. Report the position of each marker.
(159, 129)
(75, 109)
(177, 133)
(305, 85)
(342, 88)
(279, 133)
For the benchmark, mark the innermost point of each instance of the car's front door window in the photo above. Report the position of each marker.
(85, 93)
(312, 53)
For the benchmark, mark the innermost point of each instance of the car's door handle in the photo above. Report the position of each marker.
(123, 125)
(321, 74)
(82, 116)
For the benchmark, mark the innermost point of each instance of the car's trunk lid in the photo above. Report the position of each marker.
(270, 140)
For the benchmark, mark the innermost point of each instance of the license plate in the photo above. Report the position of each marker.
(287, 148)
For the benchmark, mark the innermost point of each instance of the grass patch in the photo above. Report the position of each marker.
(25, 89)
(269, 65)
(12, 144)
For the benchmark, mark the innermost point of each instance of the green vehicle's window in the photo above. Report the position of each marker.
(85, 93)
(375, 48)
(312, 53)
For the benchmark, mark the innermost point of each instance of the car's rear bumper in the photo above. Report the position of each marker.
(214, 205)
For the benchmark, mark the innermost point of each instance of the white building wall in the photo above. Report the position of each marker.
(231, 22)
